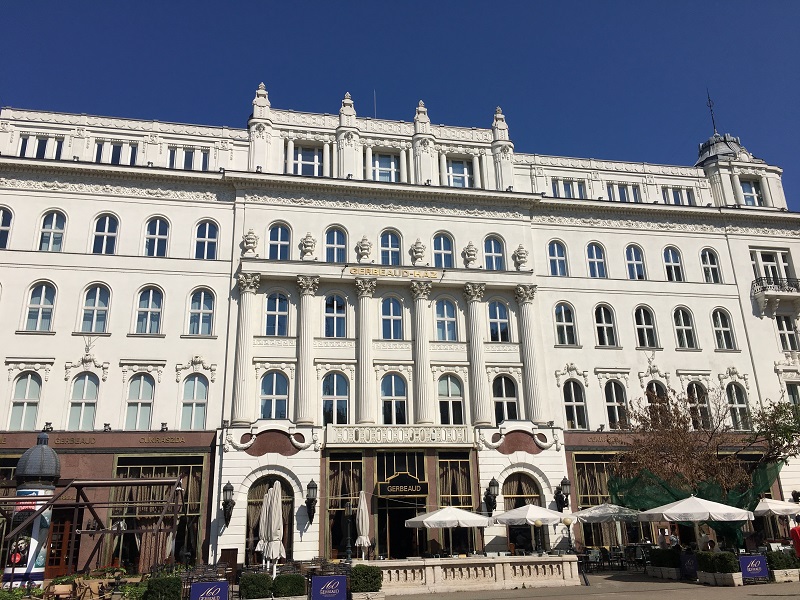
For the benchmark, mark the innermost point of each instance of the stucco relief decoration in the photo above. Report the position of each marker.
(525, 293)
(263, 366)
(404, 369)
(439, 370)
(473, 292)
(515, 372)
(733, 374)
(546, 444)
(249, 244)
(363, 249)
(307, 246)
(133, 369)
(789, 367)
(44, 367)
(520, 257)
(231, 444)
(570, 371)
(366, 287)
(87, 362)
(248, 282)
(617, 375)
(688, 377)
(653, 372)
(421, 289)
(325, 368)
(195, 365)
(417, 251)
(482, 442)
(314, 441)
(470, 254)
(307, 284)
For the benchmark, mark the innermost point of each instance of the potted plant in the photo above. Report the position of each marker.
(289, 585)
(366, 582)
(255, 585)
(705, 568)
(726, 569)
(783, 567)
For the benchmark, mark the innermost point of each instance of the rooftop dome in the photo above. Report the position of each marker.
(39, 464)
(722, 146)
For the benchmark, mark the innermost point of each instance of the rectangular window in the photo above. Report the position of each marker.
(793, 391)
(637, 197)
(98, 153)
(188, 160)
(752, 193)
(610, 192)
(386, 168)
(205, 160)
(568, 193)
(556, 192)
(116, 153)
(41, 147)
(459, 173)
(623, 193)
(690, 197)
(23, 145)
(134, 151)
(172, 155)
(455, 483)
(59, 148)
(308, 161)
(677, 196)
(581, 190)
(787, 333)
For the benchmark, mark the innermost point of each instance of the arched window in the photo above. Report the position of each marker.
(656, 390)
(451, 401)
(105, 235)
(645, 328)
(597, 260)
(443, 251)
(557, 255)
(616, 407)
(335, 317)
(710, 262)
(657, 404)
(604, 324)
(201, 313)
(195, 399)
(335, 397)
(277, 315)
(493, 254)
(520, 489)
(698, 406)
(83, 402)
(446, 326)
(565, 325)
(52, 234)
(684, 328)
(95, 309)
(27, 390)
(498, 322)
(335, 245)
(390, 248)
(723, 330)
(393, 397)
(255, 500)
(634, 261)
(148, 315)
(279, 242)
(574, 405)
(5, 227)
(737, 403)
(205, 244)
(504, 393)
(274, 395)
(141, 391)
(672, 264)
(40, 308)
(156, 237)
(391, 319)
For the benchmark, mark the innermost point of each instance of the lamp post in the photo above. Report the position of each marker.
(490, 496)
(311, 500)
(568, 522)
(348, 513)
(538, 525)
(562, 495)
(227, 502)
(796, 496)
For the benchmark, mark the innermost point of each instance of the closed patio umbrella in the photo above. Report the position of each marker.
(695, 509)
(362, 524)
(263, 526)
(275, 549)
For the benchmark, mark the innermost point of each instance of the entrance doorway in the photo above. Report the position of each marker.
(395, 540)
(58, 545)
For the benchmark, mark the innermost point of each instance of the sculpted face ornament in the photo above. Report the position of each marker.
(417, 251)
(363, 249)
(520, 257)
(307, 246)
(249, 244)
(470, 255)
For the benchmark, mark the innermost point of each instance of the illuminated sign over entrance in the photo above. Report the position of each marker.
(403, 484)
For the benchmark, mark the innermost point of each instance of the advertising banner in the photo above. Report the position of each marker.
(754, 568)
(329, 587)
(688, 565)
(209, 590)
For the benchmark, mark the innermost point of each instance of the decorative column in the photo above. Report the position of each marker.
(479, 388)
(737, 188)
(424, 409)
(476, 171)
(765, 191)
(366, 402)
(326, 159)
(242, 409)
(289, 156)
(442, 168)
(304, 412)
(403, 167)
(534, 408)
(368, 170)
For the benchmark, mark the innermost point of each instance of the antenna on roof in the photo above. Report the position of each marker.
(710, 106)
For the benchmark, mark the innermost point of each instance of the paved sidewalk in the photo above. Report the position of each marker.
(628, 586)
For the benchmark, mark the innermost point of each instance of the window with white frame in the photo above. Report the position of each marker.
(604, 324)
(773, 265)
(41, 147)
(52, 233)
(787, 333)
(493, 254)
(684, 329)
(678, 196)
(459, 173)
(141, 391)
(156, 237)
(443, 251)
(634, 261)
(624, 192)
(672, 264)
(710, 263)
(393, 398)
(335, 398)
(23, 145)
(597, 260)
(205, 242)
(201, 312)
(793, 393)
(569, 188)
(25, 404)
(5, 227)
(574, 405)
(277, 315)
(737, 405)
(274, 395)
(504, 394)
(645, 328)
(95, 310)
(498, 322)
(105, 235)
(335, 317)
(446, 325)
(751, 190)
(697, 398)
(616, 405)
(723, 330)
(451, 401)
(195, 400)
(565, 325)
(557, 255)
(391, 319)
(386, 167)
(148, 314)
(41, 305)
(390, 248)
(335, 245)
(307, 161)
(83, 402)
(279, 240)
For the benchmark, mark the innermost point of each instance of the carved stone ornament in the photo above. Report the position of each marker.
(733, 374)
(248, 282)
(142, 368)
(307, 245)
(470, 254)
(653, 372)
(87, 363)
(789, 367)
(195, 365)
(363, 249)
(29, 366)
(525, 293)
(473, 292)
(571, 371)
(366, 287)
(307, 284)
(421, 290)
(483, 443)
(304, 445)
(249, 244)
(520, 257)
(417, 251)
(231, 444)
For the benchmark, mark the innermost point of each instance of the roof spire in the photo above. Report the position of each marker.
(710, 106)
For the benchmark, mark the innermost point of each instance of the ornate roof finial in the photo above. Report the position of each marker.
(498, 111)
(347, 95)
(261, 86)
(421, 104)
(710, 106)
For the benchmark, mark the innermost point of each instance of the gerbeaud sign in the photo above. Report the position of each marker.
(209, 590)
(754, 567)
(329, 587)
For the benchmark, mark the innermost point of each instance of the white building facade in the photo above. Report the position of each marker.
(401, 308)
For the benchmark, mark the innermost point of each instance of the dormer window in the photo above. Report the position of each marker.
(751, 190)
(459, 173)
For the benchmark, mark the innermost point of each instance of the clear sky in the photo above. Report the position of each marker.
(617, 80)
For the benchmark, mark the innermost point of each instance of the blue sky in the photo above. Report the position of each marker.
(618, 80)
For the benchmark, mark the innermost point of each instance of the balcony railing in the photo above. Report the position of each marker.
(775, 284)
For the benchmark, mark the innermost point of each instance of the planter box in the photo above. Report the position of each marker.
(369, 596)
(728, 579)
(653, 571)
(785, 575)
(670, 573)
(706, 578)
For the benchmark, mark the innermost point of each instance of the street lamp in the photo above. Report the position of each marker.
(227, 502)
(562, 495)
(311, 500)
(490, 495)
(795, 496)
(538, 525)
(568, 522)
(348, 513)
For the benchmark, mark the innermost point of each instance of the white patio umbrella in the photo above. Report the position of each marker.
(528, 515)
(362, 524)
(606, 513)
(263, 526)
(448, 516)
(768, 506)
(695, 509)
(275, 549)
